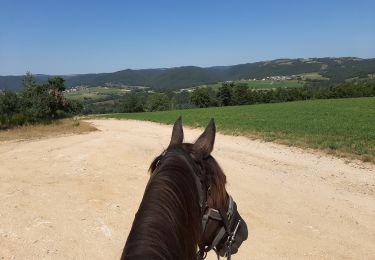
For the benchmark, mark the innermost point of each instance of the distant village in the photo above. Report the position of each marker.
(124, 88)
(272, 78)
(75, 89)
(278, 78)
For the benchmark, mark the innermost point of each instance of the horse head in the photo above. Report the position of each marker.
(186, 205)
(223, 228)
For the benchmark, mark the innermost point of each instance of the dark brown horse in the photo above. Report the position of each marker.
(185, 206)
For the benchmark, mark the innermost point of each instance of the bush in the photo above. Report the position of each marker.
(200, 97)
(9, 106)
(132, 103)
(36, 103)
(158, 102)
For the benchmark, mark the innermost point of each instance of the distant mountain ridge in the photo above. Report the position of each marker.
(336, 69)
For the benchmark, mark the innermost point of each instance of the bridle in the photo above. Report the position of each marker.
(229, 218)
(225, 231)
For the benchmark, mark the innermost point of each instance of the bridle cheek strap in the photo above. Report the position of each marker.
(219, 215)
(226, 218)
(219, 236)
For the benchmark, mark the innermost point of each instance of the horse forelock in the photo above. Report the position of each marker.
(215, 176)
(218, 197)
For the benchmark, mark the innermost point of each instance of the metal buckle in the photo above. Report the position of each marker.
(231, 240)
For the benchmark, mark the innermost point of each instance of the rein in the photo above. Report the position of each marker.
(229, 229)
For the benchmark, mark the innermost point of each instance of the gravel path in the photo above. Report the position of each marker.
(74, 197)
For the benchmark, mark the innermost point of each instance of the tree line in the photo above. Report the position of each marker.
(138, 101)
(36, 103)
(45, 102)
(229, 94)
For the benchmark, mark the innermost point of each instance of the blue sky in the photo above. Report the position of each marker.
(70, 37)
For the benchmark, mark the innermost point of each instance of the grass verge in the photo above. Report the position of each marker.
(56, 128)
(343, 127)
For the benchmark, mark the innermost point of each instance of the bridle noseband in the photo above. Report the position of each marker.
(225, 231)
(229, 218)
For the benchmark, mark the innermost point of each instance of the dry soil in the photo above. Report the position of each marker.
(74, 197)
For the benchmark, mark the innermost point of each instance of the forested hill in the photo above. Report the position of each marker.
(335, 69)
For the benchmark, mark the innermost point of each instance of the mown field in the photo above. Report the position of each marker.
(263, 84)
(96, 93)
(341, 126)
(312, 76)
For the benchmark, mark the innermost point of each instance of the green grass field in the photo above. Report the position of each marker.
(312, 76)
(96, 93)
(263, 84)
(340, 126)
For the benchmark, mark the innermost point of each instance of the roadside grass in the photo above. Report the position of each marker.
(343, 127)
(56, 128)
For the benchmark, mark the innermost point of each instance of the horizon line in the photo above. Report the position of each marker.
(181, 66)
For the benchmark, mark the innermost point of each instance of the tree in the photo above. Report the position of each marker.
(252, 96)
(158, 102)
(212, 93)
(28, 80)
(58, 104)
(182, 100)
(9, 106)
(225, 94)
(132, 103)
(200, 97)
(74, 107)
(44, 102)
(57, 83)
(240, 94)
(35, 103)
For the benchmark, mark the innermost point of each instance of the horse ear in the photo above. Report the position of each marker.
(177, 133)
(204, 145)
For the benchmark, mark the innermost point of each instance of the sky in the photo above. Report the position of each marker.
(72, 37)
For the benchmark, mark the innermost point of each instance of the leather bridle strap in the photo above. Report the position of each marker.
(225, 231)
(209, 213)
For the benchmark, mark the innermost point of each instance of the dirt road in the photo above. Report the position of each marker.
(74, 197)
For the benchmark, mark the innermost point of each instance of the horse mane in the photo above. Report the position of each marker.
(168, 222)
(217, 180)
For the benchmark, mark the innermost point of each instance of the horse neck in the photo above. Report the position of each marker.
(167, 224)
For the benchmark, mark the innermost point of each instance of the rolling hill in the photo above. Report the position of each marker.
(335, 69)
